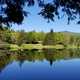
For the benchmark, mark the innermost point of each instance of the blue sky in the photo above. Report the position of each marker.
(38, 23)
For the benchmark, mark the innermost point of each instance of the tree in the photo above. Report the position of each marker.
(21, 37)
(18, 37)
(40, 36)
(31, 37)
(59, 38)
(49, 38)
(72, 40)
(5, 34)
(11, 11)
(66, 39)
(78, 41)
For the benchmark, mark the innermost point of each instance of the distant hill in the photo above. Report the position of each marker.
(71, 33)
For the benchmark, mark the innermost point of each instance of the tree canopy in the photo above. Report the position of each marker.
(12, 11)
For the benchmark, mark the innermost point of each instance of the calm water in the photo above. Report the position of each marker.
(40, 65)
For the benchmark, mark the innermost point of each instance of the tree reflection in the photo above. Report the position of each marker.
(51, 55)
(4, 61)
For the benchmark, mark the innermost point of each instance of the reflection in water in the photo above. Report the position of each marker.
(36, 60)
(50, 55)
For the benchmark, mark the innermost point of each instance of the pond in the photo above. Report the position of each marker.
(49, 64)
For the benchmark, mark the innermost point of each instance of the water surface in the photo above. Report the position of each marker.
(40, 65)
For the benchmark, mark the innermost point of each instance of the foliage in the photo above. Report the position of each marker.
(12, 11)
(50, 38)
(31, 37)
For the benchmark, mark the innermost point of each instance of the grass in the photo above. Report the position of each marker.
(54, 46)
(40, 46)
(4, 46)
(31, 46)
(14, 47)
(9, 47)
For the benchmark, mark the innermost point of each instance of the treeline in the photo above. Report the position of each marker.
(33, 37)
(21, 37)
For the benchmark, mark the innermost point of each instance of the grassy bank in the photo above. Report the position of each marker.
(33, 46)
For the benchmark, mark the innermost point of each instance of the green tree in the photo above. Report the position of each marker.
(31, 37)
(59, 38)
(49, 38)
(72, 40)
(5, 34)
(78, 41)
(21, 37)
(40, 36)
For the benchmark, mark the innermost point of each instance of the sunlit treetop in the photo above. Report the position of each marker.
(12, 11)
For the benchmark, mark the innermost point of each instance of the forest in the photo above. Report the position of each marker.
(13, 12)
(10, 39)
